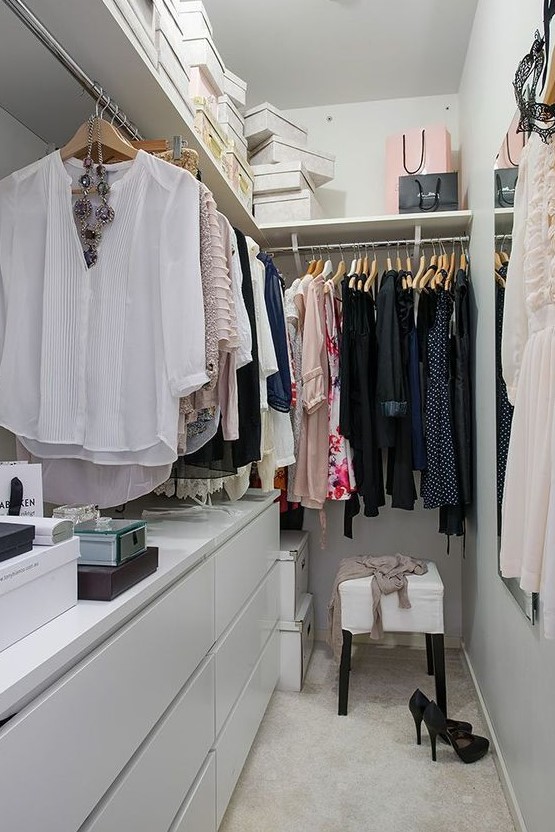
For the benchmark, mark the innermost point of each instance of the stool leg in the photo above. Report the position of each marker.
(344, 669)
(438, 650)
(429, 655)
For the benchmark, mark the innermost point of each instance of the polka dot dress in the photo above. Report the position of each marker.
(504, 407)
(439, 480)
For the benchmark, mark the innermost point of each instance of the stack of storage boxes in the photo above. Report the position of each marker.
(171, 55)
(219, 97)
(286, 171)
(297, 611)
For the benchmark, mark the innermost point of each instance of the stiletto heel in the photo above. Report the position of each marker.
(468, 747)
(418, 704)
(433, 743)
(418, 731)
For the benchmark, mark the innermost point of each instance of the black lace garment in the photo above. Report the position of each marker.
(536, 116)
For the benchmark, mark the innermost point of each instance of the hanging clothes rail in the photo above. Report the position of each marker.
(372, 244)
(94, 89)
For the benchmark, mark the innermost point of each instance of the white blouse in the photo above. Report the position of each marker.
(93, 361)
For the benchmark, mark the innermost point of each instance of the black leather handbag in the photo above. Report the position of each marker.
(505, 180)
(429, 192)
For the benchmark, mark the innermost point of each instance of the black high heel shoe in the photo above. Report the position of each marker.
(418, 704)
(468, 747)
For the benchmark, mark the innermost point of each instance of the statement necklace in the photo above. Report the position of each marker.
(91, 234)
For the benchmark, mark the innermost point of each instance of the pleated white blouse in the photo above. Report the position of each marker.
(93, 361)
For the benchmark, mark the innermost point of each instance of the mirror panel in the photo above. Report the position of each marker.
(505, 176)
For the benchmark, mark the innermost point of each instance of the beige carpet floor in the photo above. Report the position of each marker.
(313, 771)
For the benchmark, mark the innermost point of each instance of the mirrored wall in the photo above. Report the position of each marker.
(505, 177)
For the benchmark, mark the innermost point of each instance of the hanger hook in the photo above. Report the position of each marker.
(106, 105)
(98, 100)
(114, 114)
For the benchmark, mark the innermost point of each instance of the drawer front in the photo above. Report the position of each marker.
(242, 563)
(150, 791)
(235, 741)
(198, 813)
(68, 746)
(236, 655)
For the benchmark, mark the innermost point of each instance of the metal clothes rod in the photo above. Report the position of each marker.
(55, 48)
(503, 237)
(373, 244)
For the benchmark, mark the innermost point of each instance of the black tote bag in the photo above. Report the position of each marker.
(505, 180)
(428, 192)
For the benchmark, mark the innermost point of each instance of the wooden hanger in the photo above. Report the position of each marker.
(365, 261)
(353, 270)
(463, 263)
(110, 138)
(451, 272)
(319, 267)
(430, 272)
(360, 263)
(341, 270)
(371, 279)
(388, 261)
(420, 273)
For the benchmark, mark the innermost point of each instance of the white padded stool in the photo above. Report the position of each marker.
(425, 616)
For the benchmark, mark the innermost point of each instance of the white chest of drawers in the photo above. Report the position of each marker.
(139, 714)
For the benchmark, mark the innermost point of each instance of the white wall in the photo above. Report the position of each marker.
(514, 665)
(356, 134)
(18, 147)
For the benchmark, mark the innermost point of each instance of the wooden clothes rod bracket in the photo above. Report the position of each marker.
(373, 244)
(95, 90)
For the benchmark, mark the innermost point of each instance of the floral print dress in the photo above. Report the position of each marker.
(341, 477)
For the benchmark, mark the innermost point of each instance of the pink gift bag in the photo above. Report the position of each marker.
(418, 150)
(512, 147)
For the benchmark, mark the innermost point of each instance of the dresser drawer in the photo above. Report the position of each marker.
(233, 745)
(198, 813)
(236, 655)
(242, 563)
(67, 747)
(150, 790)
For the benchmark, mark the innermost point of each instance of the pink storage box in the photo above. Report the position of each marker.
(202, 53)
(512, 147)
(202, 91)
(418, 150)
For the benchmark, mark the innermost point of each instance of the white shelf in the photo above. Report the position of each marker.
(124, 60)
(504, 220)
(365, 229)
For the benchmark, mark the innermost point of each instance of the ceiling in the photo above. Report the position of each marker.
(302, 53)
